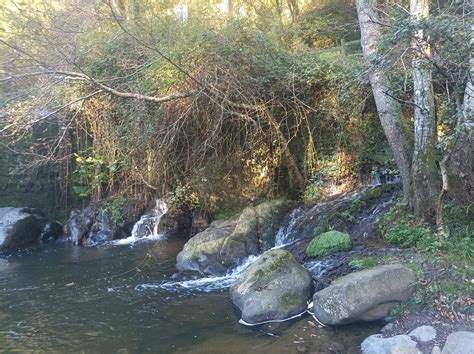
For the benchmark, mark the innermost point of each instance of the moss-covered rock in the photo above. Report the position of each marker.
(328, 243)
(227, 242)
(274, 287)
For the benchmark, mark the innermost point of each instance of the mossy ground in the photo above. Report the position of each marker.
(328, 243)
(444, 265)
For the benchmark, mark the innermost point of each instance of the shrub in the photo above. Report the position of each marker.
(328, 243)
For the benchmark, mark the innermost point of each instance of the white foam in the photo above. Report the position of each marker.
(206, 284)
(132, 239)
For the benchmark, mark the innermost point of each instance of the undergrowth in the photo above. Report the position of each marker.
(399, 227)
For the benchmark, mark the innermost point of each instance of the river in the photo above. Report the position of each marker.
(110, 299)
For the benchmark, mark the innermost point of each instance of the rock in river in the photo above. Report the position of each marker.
(19, 227)
(225, 243)
(274, 287)
(364, 296)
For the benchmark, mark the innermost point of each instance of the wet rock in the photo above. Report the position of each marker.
(364, 296)
(274, 287)
(376, 344)
(225, 243)
(19, 227)
(103, 228)
(177, 222)
(92, 225)
(52, 231)
(423, 333)
(461, 342)
(79, 224)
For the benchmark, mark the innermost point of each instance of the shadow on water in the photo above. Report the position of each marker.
(67, 298)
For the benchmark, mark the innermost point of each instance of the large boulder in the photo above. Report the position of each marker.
(225, 243)
(19, 227)
(461, 342)
(364, 296)
(274, 287)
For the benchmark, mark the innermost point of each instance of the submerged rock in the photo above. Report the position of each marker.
(364, 296)
(377, 344)
(461, 342)
(19, 227)
(274, 287)
(225, 243)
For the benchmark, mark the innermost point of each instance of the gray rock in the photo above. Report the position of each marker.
(423, 333)
(92, 225)
(103, 228)
(461, 342)
(436, 350)
(79, 224)
(364, 296)
(387, 327)
(274, 287)
(404, 349)
(376, 344)
(19, 227)
(225, 243)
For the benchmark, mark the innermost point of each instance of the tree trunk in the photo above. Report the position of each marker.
(425, 171)
(290, 159)
(461, 164)
(388, 108)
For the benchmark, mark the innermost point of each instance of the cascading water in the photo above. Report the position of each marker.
(302, 222)
(281, 238)
(208, 284)
(147, 228)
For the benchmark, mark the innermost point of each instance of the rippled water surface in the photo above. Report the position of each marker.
(107, 299)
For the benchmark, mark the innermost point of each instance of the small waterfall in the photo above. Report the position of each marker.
(281, 238)
(319, 268)
(207, 284)
(147, 228)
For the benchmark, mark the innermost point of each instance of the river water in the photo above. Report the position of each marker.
(111, 299)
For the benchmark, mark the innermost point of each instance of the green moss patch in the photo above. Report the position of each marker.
(361, 263)
(328, 243)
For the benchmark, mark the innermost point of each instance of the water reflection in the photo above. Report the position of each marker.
(84, 299)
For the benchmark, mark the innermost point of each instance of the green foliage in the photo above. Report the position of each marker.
(94, 171)
(361, 263)
(184, 197)
(327, 243)
(400, 227)
(115, 208)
